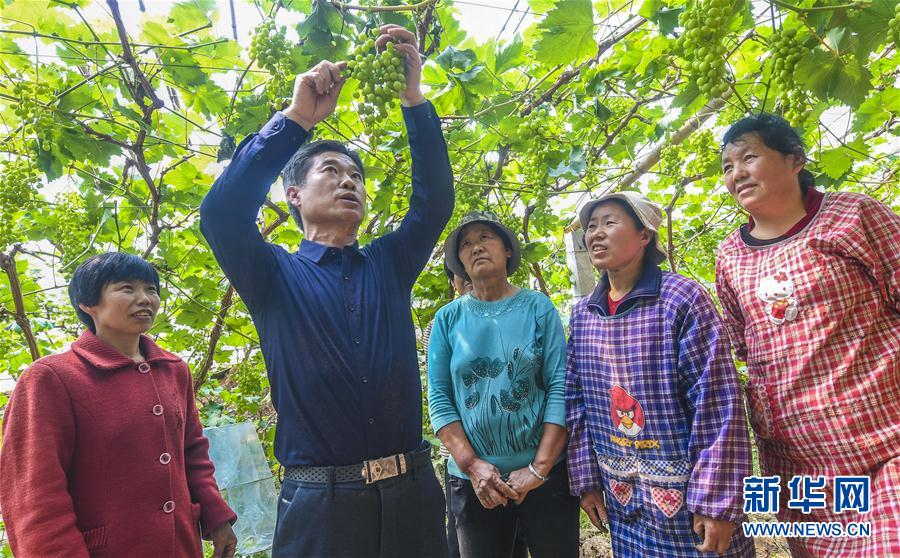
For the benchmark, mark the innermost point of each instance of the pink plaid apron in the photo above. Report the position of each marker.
(816, 318)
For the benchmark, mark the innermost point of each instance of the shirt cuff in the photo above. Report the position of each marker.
(555, 413)
(439, 422)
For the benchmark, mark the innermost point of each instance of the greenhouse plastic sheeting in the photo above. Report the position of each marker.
(255, 504)
(246, 482)
(237, 454)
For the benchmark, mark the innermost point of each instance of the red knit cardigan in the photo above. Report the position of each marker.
(103, 456)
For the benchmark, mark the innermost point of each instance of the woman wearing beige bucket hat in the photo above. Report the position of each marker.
(496, 381)
(658, 442)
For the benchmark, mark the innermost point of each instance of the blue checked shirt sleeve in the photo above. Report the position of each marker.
(584, 473)
(719, 441)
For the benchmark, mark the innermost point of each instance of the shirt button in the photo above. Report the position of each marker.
(371, 421)
(169, 506)
(356, 340)
(157, 410)
(351, 308)
(257, 157)
(143, 368)
(365, 380)
(165, 458)
(346, 277)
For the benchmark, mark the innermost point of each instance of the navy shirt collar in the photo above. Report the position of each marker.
(314, 251)
(647, 286)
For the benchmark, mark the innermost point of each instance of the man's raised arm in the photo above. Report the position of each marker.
(228, 212)
(432, 200)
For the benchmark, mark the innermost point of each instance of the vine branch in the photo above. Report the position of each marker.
(8, 264)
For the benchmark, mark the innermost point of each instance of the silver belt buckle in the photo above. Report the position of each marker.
(375, 470)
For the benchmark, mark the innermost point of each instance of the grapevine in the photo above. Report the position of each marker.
(269, 46)
(705, 28)
(71, 227)
(786, 52)
(34, 114)
(380, 75)
(18, 180)
(533, 133)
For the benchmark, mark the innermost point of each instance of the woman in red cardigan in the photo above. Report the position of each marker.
(103, 452)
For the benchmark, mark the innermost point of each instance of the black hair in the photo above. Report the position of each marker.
(96, 272)
(776, 133)
(294, 172)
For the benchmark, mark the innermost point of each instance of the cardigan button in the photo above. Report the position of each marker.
(169, 506)
(165, 458)
(157, 410)
(143, 368)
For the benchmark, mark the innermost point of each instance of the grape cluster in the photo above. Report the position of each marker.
(248, 379)
(269, 46)
(702, 43)
(894, 24)
(36, 118)
(380, 75)
(533, 132)
(670, 162)
(531, 128)
(278, 88)
(18, 181)
(786, 53)
(705, 151)
(70, 216)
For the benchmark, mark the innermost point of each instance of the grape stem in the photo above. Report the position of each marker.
(411, 7)
(799, 10)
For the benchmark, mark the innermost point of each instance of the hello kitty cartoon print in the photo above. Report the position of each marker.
(627, 414)
(777, 291)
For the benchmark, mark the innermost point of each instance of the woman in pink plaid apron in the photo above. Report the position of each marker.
(810, 289)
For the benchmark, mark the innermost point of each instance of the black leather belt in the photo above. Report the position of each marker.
(370, 471)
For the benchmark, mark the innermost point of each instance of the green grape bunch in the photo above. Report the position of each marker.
(787, 51)
(269, 46)
(36, 118)
(533, 132)
(18, 191)
(894, 25)
(532, 128)
(670, 162)
(381, 77)
(70, 214)
(705, 27)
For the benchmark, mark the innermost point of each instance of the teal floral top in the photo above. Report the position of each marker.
(499, 368)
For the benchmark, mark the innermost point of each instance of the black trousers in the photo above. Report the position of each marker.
(520, 548)
(398, 517)
(548, 517)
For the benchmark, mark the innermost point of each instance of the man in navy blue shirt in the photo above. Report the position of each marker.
(335, 324)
